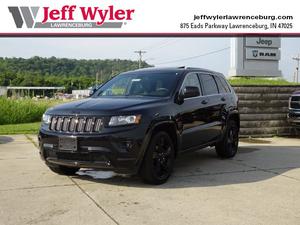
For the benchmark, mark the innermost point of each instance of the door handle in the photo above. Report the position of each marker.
(204, 102)
(223, 99)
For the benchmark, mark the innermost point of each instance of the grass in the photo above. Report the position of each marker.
(23, 128)
(15, 111)
(255, 81)
(118, 91)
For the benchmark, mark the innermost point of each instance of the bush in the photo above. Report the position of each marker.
(256, 81)
(23, 110)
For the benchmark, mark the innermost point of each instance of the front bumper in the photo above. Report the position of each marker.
(121, 152)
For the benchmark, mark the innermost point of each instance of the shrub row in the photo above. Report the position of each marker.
(14, 111)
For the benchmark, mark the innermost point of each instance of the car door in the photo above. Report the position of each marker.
(214, 105)
(227, 99)
(191, 115)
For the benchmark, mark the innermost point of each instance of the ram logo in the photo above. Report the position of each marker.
(255, 53)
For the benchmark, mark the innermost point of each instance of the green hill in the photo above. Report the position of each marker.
(71, 73)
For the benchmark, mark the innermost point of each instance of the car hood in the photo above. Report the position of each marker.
(103, 105)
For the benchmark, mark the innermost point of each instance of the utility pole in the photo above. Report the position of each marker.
(101, 72)
(140, 52)
(297, 58)
(97, 75)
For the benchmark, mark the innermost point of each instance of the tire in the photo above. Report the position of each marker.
(228, 146)
(159, 159)
(63, 170)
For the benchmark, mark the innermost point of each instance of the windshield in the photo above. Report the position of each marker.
(144, 84)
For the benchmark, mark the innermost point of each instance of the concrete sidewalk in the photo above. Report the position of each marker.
(261, 185)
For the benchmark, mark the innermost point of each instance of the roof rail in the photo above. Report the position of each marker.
(192, 68)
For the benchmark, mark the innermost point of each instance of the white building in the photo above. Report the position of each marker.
(3, 91)
(81, 93)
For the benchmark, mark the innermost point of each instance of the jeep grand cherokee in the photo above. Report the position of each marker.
(140, 121)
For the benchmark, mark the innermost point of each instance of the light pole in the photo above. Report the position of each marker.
(297, 58)
(140, 52)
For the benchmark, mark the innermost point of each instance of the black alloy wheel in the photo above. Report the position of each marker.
(228, 146)
(159, 159)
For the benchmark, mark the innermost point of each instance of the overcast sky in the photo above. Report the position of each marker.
(160, 51)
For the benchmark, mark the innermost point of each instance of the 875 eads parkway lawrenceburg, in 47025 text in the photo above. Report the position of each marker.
(228, 26)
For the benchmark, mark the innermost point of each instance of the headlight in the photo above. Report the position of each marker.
(46, 119)
(124, 120)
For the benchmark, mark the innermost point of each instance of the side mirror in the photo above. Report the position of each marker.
(191, 91)
(92, 91)
(187, 92)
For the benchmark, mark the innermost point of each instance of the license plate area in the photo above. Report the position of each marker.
(67, 144)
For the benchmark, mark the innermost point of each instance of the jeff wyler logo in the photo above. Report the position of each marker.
(70, 16)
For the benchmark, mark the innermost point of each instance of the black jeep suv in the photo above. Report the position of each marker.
(139, 121)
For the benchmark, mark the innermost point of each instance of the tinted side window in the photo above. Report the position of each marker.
(208, 84)
(191, 80)
(223, 88)
(225, 84)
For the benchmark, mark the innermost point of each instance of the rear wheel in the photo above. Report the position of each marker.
(159, 159)
(228, 146)
(63, 170)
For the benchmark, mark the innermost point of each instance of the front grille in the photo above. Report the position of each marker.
(81, 157)
(73, 156)
(295, 105)
(294, 116)
(76, 124)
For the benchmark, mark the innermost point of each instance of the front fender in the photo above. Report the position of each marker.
(155, 126)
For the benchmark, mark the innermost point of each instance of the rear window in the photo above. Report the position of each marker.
(208, 84)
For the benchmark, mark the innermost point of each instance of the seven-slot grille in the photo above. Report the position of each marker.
(76, 124)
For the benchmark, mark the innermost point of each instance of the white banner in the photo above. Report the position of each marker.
(147, 17)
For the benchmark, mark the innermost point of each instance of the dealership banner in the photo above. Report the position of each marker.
(148, 17)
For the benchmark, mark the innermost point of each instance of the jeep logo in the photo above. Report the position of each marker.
(262, 41)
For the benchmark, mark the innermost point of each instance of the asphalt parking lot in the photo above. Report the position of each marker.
(261, 185)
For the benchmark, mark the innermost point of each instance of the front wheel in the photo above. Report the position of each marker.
(159, 159)
(228, 146)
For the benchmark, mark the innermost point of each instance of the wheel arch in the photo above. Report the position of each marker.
(170, 128)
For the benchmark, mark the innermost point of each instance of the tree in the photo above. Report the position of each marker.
(71, 73)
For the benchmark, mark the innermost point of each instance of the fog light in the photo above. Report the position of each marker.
(129, 145)
(48, 145)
